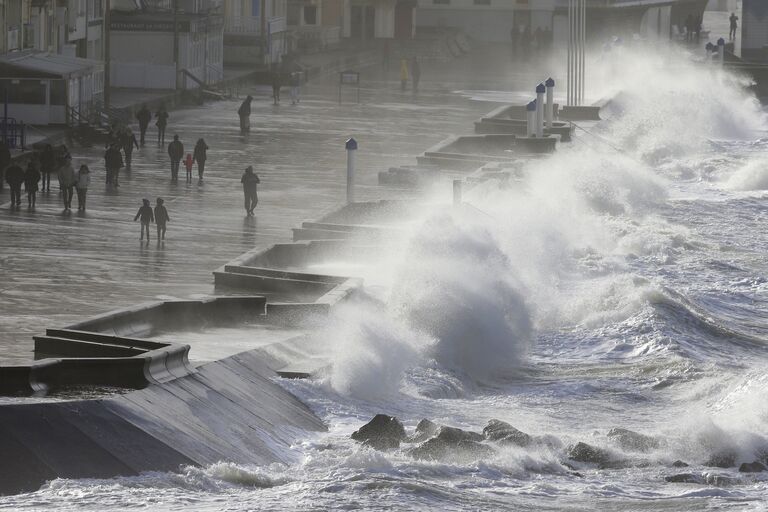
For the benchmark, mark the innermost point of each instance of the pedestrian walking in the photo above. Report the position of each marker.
(146, 216)
(250, 182)
(403, 74)
(48, 166)
(31, 183)
(67, 180)
(295, 87)
(128, 140)
(161, 219)
(188, 161)
(162, 122)
(5, 161)
(244, 112)
(415, 73)
(277, 83)
(14, 177)
(200, 155)
(176, 153)
(734, 20)
(144, 116)
(81, 186)
(113, 161)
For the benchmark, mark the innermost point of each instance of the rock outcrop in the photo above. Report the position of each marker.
(382, 433)
(504, 433)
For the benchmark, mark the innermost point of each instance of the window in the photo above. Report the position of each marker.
(310, 15)
(27, 92)
(58, 92)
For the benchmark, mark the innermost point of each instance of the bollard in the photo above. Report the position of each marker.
(531, 111)
(550, 112)
(721, 50)
(540, 90)
(351, 147)
(456, 192)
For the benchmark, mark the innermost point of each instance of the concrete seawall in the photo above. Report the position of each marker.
(227, 410)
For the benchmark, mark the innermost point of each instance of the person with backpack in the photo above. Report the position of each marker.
(113, 161)
(146, 216)
(176, 153)
(200, 155)
(244, 112)
(83, 182)
(250, 181)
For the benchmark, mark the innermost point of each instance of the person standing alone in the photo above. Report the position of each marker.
(734, 25)
(144, 116)
(176, 153)
(250, 182)
(244, 112)
(162, 122)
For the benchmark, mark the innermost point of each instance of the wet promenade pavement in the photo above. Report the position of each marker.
(57, 268)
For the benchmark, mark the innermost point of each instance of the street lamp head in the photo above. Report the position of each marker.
(531, 107)
(351, 144)
(540, 89)
(550, 82)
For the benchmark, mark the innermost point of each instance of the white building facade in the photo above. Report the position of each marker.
(254, 31)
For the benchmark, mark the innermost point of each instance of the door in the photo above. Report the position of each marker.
(404, 19)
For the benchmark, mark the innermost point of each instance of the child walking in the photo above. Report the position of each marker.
(162, 217)
(146, 216)
(188, 165)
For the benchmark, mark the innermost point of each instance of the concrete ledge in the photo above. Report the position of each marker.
(298, 315)
(585, 113)
(546, 144)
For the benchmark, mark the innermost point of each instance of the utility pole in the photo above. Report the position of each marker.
(176, 42)
(107, 56)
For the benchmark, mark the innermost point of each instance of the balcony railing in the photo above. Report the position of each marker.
(243, 25)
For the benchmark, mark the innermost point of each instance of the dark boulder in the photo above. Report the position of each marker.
(424, 430)
(752, 467)
(504, 433)
(583, 452)
(454, 444)
(685, 478)
(722, 460)
(382, 432)
(679, 464)
(632, 441)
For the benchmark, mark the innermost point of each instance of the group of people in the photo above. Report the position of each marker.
(410, 71)
(159, 216)
(294, 81)
(693, 28)
(525, 41)
(144, 116)
(37, 176)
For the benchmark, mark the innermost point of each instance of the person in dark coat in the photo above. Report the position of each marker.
(48, 165)
(128, 142)
(144, 116)
(245, 114)
(161, 218)
(146, 216)
(162, 122)
(250, 181)
(14, 177)
(83, 182)
(31, 182)
(277, 83)
(176, 153)
(415, 73)
(734, 24)
(5, 160)
(200, 155)
(113, 161)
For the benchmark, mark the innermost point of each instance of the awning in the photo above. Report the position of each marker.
(46, 65)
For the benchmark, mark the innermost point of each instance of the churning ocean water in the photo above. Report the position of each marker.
(619, 283)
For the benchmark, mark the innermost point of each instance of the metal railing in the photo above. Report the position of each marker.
(13, 132)
(243, 25)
